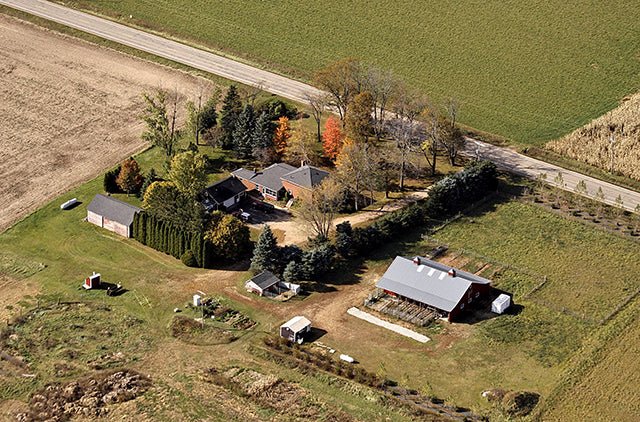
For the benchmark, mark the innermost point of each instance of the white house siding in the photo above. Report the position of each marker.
(94, 218)
(116, 227)
(230, 202)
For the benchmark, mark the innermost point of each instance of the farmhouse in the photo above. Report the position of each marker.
(268, 284)
(268, 181)
(223, 195)
(433, 285)
(304, 178)
(112, 214)
(295, 329)
(280, 178)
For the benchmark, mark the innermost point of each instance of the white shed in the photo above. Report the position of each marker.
(295, 329)
(501, 304)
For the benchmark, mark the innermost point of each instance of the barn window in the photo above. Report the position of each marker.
(477, 295)
(470, 299)
(462, 306)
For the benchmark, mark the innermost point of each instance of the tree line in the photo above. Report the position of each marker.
(447, 197)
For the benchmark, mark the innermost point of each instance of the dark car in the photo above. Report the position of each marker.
(264, 207)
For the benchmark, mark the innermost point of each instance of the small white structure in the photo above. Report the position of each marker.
(295, 329)
(92, 282)
(347, 358)
(69, 204)
(501, 304)
(197, 300)
(267, 284)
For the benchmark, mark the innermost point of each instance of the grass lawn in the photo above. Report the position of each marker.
(589, 270)
(56, 249)
(529, 72)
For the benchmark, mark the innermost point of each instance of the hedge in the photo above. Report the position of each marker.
(165, 237)
(447, 197)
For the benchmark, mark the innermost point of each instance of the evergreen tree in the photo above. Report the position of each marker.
(231, 109)
(243, 133)
(317, 261)
(344, 239)
(292, 272)
(263, 133)
(266, 253)
(151, 177)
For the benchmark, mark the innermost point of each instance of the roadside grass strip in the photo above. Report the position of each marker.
(385, 324)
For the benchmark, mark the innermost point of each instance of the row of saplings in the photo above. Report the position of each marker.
(324, 362)
(446, 198)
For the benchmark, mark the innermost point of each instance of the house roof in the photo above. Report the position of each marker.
(428, 282)
(306, 176)
(243, 173)
(113, 209)
(265, 279)
(270, 177)
(296, 324)
(225, 189)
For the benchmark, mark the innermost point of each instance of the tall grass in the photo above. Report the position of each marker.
(593, 144)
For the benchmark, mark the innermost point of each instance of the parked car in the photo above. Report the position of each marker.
(264, 207)
(245, 216)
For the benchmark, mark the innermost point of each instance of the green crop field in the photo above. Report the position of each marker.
(528, 71)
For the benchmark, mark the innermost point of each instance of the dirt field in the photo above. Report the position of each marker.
(69, 110)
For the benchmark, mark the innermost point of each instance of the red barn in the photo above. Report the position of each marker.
(434, 285)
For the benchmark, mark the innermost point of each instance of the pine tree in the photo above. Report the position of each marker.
(231, 109)
(263, 134)
(265, 254)
(243, 133)
(292, 272)
(344, 239)
(332, 138)
(151, 177)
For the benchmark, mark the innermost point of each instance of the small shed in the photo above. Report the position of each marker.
(295, 329)
(92, 282)
(501, 304)
(112, 214)
(262, 283)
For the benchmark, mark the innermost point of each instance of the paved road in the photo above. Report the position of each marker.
(172, 50)
(521, 164)
(289, 88)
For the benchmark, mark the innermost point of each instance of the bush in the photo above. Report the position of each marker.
(109, 182)
(519, 403)
(189, 259)
(276, 108)
(456, 192)
(344, 239)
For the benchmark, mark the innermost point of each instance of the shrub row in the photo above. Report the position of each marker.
(324, 362)
(163, 236)
(447, 197)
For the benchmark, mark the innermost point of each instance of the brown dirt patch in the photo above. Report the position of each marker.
(69, 110)
(13, 291)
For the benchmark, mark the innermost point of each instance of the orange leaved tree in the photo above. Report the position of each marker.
(281, 136)
(332, 138)
(129, 180)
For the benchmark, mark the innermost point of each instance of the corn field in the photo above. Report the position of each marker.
(611, 142)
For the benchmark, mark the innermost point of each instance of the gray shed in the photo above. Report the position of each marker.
(112, 214)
